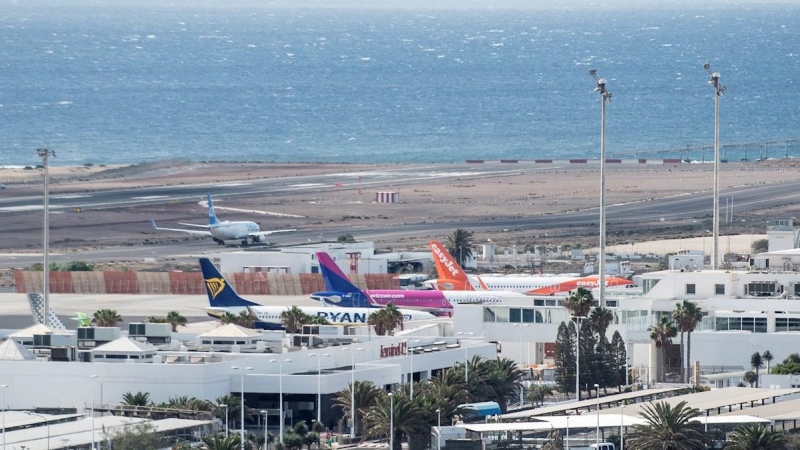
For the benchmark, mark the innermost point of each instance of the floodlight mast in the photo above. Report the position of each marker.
(719, 89)
(605, 97)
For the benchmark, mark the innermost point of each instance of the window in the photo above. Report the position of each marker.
(495, 314)
(515, 315)
(691, 288)
(527, 315)
(136, 329)
(719, 289)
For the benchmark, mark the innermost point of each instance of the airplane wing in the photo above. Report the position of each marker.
(268, 232)
(202, 233)
(194, 225)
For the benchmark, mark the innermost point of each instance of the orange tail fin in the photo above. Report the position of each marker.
(451, 275)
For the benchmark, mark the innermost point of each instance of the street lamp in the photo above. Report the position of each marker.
(520, 326)
(719, 89)
(352, 390)
(241, 407)
(280, 393)
(266, 428)
(3, 391)
(226, 418)
(566, 440)
(319, 383)
(605, 97)
(622, 427)
(578, 357)
(597, 433)
(45, 421)
(45, 155)
(93, 377)
(438, 429)
(391, 421)
(411, 355)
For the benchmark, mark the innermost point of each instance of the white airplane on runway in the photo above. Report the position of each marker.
(221, 231)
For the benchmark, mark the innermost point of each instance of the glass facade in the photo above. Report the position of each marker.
(524, 315)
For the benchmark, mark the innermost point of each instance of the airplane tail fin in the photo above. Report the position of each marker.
(335, 279)
(220, 293)
(451, 275)
(212, 215)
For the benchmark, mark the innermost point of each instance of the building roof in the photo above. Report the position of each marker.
(125, 345)
(80, 432)
(737, 397)
(230, 331)
(788, 410)
(37, 329)
(586, 404)
(591, 420)
(11, 350)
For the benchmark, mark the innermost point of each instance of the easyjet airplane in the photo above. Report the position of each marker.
(452, 277)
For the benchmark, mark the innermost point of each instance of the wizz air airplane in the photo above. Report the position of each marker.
(221, 231)
(341, 292)
(452, 277)
(223, 298)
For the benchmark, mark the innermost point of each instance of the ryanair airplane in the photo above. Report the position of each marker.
(223, 298)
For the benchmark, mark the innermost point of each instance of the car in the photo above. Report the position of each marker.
(2, 186)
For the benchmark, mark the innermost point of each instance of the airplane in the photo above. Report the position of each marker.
(83, 320)
(343, 293)
(456, 279)
(223, 298)
(221, 231)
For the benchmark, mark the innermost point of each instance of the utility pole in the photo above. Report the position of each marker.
(605, 97)
(45, 155)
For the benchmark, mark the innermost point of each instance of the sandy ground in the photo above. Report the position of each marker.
(550, 189)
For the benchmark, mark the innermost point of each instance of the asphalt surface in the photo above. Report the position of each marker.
(678, 207)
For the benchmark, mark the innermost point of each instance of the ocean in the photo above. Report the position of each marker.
(118, 85)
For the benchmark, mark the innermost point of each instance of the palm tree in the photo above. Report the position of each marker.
(106, 318)
(175, 319)
(767, 357)
(505, 381)
(377, 320)
(218, 441)
(750, 377)
(688, 316)
(233, 402)
(678, 317)
(668, 428)
(601, 318)
(408, 418)
(754, 437)
(292, 319)
(227, 317)
(394, 318)
(364, 395)
(538, 393)
(459, 244)
(580, 302)
(756, 362)
(137, 399)
(662, 334)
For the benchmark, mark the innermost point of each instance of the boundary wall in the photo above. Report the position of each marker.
(187, 283)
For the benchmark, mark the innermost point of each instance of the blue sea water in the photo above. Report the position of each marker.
(109, 84)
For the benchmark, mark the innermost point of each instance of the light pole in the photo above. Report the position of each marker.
(353, 390)
(622, 427)
(45, 155)
(93, 377)
(438, 429)
(226, 418)
(319, 383)
(280, 394)
(45, 421)
(520, 326)
(578, 358)
(597, 432)
(391, 421)
(566, 440)
(241, 407)
(3, 391)
(266, 428)
(605, 97)
(411, 355)
(719, 89)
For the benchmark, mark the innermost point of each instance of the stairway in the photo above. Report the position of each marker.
(37, 310)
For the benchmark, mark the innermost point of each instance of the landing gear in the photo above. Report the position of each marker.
(244, 242)
(218, 241)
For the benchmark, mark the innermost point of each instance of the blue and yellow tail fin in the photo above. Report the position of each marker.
(220, 293)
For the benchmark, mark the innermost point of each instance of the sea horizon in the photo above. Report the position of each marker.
(124, 85)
